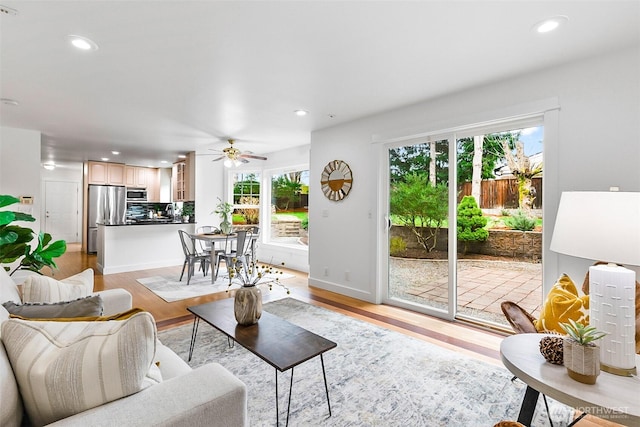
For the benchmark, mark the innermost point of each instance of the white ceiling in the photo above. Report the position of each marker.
(176, 76)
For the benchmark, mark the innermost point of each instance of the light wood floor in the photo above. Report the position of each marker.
(467, 339)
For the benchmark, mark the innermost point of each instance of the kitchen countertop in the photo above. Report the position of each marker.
(147, 222)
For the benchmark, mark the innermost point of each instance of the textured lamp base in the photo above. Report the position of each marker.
(612, 291)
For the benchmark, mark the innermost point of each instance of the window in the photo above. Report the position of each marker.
(290, 207)
(246, 198)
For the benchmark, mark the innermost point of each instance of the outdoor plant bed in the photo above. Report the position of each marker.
(502, 244)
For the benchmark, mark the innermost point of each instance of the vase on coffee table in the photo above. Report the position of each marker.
(247, 306)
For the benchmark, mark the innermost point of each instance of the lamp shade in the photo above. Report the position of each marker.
(601, 226)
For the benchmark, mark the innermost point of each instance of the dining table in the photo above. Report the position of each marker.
(216, 239)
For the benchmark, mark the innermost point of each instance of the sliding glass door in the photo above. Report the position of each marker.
(418, 215)
(465, 222)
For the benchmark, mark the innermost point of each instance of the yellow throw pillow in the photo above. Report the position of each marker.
(563, 303)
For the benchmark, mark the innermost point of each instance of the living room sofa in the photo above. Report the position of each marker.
(207, 396)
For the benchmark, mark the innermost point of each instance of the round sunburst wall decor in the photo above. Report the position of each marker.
(336, 180)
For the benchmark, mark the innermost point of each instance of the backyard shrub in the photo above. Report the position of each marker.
(397, 246)
(471, 222)
(520, 221)
(420, 206)
(249, 215)
(305, 223)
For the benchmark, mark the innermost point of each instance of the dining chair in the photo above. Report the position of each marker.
(242, 249)
(192, 256)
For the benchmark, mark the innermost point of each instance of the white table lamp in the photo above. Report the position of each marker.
(605, 226)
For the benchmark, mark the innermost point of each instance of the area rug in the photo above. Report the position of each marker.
(170, 289)
(376, 377)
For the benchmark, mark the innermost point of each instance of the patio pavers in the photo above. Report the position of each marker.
(482, 285)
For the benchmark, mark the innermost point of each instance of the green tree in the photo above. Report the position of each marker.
(521, 168)
(492, 154)
(417, 158)
(286, 190)
(249, 186)
(471, 222)
(420, 206)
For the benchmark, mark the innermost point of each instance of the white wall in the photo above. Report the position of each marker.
(209, 186)
(598, 146)
(20, 169)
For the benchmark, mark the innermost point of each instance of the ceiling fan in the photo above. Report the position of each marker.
(234, 157)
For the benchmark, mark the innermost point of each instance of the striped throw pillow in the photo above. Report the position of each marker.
(37, 288)
(63, 368)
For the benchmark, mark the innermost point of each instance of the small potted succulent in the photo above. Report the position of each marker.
(581, 354)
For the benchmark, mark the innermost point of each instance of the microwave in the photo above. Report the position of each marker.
(136, 195)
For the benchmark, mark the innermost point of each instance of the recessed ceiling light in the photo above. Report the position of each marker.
(105, 159)
(163, 161)
(49, 166)
(115, 153)
(182, 156)
(550, 24)
(82, 43)
(8, 101)
(301, 113)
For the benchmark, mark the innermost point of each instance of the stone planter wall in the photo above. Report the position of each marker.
(286, 227)
(503, 243)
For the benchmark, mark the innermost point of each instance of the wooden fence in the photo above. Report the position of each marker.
(501, 193)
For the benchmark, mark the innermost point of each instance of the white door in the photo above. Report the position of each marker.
(61, 210)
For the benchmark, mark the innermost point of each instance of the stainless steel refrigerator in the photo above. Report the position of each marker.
(107, 204)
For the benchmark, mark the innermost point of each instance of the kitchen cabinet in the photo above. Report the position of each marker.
(138, 176)
(130, 176)
(153, 184)
(183, 178)
(104, 173)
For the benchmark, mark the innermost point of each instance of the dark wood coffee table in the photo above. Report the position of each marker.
(281, 344)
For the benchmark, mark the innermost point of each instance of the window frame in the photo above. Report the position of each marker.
(266, 195)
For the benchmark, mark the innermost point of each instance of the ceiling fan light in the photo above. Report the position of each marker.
(237, 162)
(228, 163)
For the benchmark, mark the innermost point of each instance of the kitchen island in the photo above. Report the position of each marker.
(132, 247)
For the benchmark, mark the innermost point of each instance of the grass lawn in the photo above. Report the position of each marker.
(299, 215)
(239, 219)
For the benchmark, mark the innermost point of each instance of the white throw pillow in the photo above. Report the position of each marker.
(63, 368)
(8, 288)
(37, 288)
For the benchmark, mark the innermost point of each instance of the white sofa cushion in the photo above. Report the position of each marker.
(8, 288)
(10, 402)
(37, 288)
(63, 368)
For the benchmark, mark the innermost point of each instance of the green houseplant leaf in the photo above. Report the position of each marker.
(15, 241)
